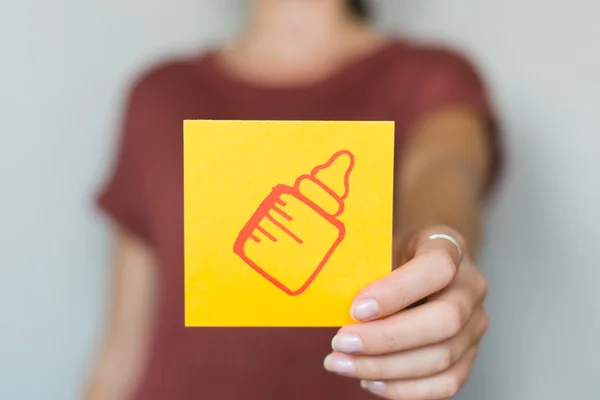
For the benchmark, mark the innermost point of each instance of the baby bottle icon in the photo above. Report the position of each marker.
(294, 232)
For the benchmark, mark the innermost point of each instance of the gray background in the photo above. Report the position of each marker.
(65, 64)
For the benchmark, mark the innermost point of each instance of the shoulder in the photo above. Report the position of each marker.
(423, 62)
(437, 55)
(162, 77)
(158, 93)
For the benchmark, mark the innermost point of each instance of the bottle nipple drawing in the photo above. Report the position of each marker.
(295, 230)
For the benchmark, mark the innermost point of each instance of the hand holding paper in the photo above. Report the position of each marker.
(425, 352)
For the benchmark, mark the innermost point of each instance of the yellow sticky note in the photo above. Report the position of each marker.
(285, 221)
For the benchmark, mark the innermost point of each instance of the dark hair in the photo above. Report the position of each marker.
(359, 8)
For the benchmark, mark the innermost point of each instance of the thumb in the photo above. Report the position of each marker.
(438, 238)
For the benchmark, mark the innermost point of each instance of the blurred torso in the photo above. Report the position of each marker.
(261, 364)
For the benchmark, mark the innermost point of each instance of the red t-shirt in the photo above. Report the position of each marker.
(144, 194)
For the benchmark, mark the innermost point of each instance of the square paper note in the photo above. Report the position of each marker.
(285, 222)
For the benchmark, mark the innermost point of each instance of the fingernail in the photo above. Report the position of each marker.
(373, 386)
(347, 343)
(339, 364)
(364, 309)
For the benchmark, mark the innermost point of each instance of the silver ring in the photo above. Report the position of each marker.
(450, 239)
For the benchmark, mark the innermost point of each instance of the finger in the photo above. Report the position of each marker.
(469, 286)
(417, 363)
(448, 243)
(430, 271)
(407, 244)
(437, 387)
(431, 323)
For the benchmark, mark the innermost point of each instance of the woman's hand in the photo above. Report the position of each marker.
(422, 352)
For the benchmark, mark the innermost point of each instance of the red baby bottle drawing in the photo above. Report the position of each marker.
(295, 231)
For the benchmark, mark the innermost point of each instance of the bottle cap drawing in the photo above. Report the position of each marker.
(282, 227)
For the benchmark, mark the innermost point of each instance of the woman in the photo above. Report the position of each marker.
(312, 60)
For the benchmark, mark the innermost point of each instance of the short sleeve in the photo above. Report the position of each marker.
(448, 78)
(122, 195)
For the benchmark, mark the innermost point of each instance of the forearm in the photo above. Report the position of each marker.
(442, 174)
(444, 195)
(119, 363)
(113, 377)
(123, 354)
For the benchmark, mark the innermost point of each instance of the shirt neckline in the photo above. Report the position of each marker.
(226, 81)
